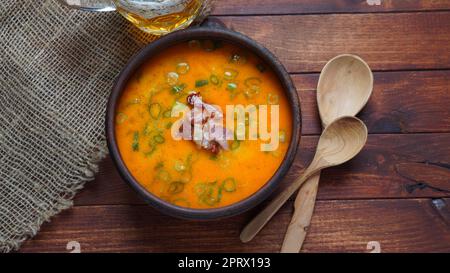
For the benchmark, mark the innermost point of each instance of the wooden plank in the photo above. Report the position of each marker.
(390, 166)
(402, 102)
(254, 7)
(386, 41)
(412, 225)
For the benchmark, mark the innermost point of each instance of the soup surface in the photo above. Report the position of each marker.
(179, 171)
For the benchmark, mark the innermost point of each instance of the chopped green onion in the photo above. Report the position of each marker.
(231, 86)
(229, 184)
(200, 83)
(176, 89)
(253, 86)
(182, 68)
(214, 79)
(167, 113)
(159, 139)
(163, 175)
(155, 110)
(200, 188)
(179, 166)
(176, 187)
(146, 130)
(159, 165)
(121, 118)
(211, 200)
(172, 78)
(169, 125)
(230, 74)
(252, 82)
(272, 99)
(152, 149)
(209, 193)
(135, 144)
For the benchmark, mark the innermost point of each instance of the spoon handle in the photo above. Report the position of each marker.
(301, 219)
(257, 223)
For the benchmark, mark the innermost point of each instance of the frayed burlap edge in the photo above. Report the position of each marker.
(87, 173)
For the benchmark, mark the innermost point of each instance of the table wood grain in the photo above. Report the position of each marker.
(396, 192)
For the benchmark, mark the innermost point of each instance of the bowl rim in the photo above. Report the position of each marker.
(202, 33)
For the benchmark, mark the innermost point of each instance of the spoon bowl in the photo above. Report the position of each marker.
(345, 85)
(339, 142)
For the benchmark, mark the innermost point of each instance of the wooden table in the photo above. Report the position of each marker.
(396, 192)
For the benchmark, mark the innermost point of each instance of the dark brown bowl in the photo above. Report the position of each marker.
(212, 31)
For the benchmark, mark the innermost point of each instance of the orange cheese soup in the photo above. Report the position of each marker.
(180, 171)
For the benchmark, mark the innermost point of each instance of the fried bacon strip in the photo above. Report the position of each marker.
(212, 136)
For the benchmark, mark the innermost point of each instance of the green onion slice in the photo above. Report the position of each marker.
(231, 86)
(180, 166)
(169, 125)
(253, 86)
(163, 175)
(172, 78)
(159, 139)
(135, 144)
(121, 118)
(214, 79)
(183, 68)
(176, 89)
(167, 113)
(229, 184)
(253, 82)
(200, 83)
(230, 74)
(200, 188)
(155, 110)
(176, 187)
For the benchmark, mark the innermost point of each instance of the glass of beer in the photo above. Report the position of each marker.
(157, 17)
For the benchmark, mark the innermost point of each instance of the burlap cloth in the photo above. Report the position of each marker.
(57, 69)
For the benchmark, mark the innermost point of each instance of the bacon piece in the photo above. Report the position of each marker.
(213, 135)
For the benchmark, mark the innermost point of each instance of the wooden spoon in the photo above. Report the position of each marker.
(339, 142)
(344, 87)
